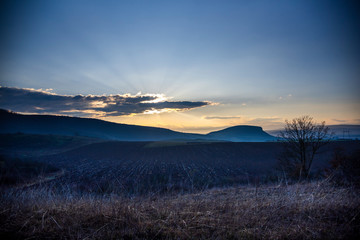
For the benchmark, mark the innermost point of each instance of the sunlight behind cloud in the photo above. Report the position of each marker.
(157, 98)
(165, 110)
(40, 101)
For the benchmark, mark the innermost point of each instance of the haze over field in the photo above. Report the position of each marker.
(188, 66)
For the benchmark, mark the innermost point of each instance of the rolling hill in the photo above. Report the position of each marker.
(74, 126)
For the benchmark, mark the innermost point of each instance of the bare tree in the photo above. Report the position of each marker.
(303, 137)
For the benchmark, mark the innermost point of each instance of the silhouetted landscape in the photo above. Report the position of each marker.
(43, 159)
(74, 126)
(179, 120)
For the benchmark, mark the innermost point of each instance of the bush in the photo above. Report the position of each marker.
(345, 168)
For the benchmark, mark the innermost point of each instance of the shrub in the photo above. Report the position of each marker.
(345, 168)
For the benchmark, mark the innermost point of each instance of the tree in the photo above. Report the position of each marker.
(303, 138)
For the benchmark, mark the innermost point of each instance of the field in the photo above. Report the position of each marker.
(146, 167)
(134, 168)
(32, 145)
(87, 189)
(301, 211)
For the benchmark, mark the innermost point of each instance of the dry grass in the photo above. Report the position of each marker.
(302, 211)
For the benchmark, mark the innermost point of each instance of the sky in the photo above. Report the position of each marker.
(190, 66)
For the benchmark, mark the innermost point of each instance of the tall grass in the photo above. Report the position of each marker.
(315, 210)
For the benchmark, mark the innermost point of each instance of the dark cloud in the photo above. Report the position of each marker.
(43, 101)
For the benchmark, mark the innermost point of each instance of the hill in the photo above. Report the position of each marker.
(341, 131)
(87, 127)
(74, 126)
(345, 131)
(242, 134)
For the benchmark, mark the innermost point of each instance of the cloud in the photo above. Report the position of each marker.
(265, 120)
(27, 100)
(222, 117)
(349, 121)
(289, 96)
(339, 120)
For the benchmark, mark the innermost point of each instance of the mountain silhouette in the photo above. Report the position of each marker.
(11, 122)
(243, 133)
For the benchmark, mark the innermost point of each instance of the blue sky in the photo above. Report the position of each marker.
(256, 62)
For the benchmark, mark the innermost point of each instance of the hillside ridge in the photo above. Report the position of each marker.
(11, 122)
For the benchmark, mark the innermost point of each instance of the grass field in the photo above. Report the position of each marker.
(133, 168)
(314, 210)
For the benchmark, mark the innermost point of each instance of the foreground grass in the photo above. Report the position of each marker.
(302, 211)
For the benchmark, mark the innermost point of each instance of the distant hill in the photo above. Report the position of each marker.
(242, 133)
(11, 122)
(343, 131)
